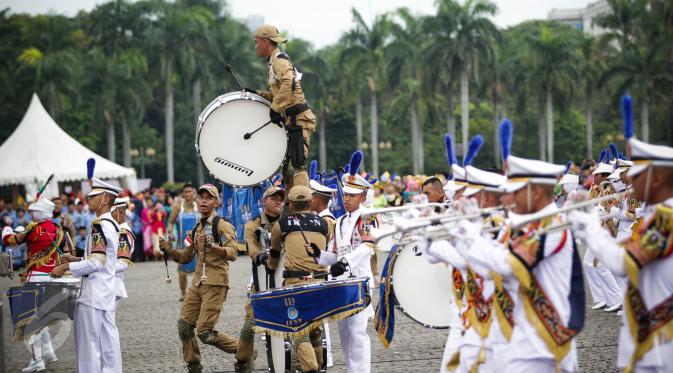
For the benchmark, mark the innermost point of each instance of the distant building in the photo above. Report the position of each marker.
(253, 22)
(582, 18)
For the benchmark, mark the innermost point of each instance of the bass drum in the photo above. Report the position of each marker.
(221, 144)
(422, 289)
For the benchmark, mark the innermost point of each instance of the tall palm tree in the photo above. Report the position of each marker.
(593, 63)
(166, 38)
(364, 46)
(474, 34)
(406, 70)
(642, 64)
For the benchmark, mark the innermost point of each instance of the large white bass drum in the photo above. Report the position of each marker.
(221, 142)
(422, 289)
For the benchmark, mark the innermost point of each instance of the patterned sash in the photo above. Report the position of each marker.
(527, 251)
(43, 256)
(651, 241)
(458, 287)
(479, 311)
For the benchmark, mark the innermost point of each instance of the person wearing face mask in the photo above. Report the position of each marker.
(43, 239)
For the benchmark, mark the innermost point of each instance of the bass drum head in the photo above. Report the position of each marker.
(226, 154)
(422, 289)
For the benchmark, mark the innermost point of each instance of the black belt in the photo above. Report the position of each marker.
(297, 109)
(303, 274)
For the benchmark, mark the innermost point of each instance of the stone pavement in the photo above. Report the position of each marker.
(149, 340)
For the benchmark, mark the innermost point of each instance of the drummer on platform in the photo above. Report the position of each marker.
(304, 236)
(43, 239)
(97, 337)
(288, 105)
(257, 230)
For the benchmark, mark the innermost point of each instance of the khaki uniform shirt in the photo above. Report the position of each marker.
(251, 237)
(296, 256)
(280, 76)
(217, 267)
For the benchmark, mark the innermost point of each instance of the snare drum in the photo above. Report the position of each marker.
(422, 290)
(221, 145)
(38, 304)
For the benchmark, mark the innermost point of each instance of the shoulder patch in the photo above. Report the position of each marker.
(126, 243)
(98, 240)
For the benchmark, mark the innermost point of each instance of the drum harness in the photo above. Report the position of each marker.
(295, 136)
(304, 275)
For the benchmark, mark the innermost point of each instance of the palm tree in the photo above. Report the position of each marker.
(642, 64)
(406, 69)
(166, 38)
(364, 46)
(593, 64)
(473, 35)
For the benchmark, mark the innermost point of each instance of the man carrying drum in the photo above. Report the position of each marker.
(213, 242)
(288, 105)
(44, 239)
(304, 236)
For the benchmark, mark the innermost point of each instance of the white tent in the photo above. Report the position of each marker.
(38, 147)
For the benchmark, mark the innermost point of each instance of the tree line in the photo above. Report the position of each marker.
(139, 73)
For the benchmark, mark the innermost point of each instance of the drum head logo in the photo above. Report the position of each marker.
(292, 313)
(234, 166)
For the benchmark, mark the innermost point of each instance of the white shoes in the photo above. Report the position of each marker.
(49, 358)
(34, 366)
(613, 308)
(599, 305)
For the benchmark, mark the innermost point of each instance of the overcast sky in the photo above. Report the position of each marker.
(319, 21)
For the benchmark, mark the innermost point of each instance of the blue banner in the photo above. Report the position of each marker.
(384, 316)
(333, 180)
(242, 204)
(294, 311)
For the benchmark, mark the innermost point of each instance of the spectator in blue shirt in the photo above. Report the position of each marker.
(80, 241)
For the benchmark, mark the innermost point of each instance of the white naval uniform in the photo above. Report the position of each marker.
(655, 285)
(96, 335)
(330, 360)
(527, 351)
(352, 330)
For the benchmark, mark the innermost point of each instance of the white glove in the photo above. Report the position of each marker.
(584, 223)
(615, 212)
(464, 232)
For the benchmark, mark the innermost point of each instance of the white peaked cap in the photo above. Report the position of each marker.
(644, 154)
(99, 186)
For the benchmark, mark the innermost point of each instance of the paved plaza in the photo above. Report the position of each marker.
(149, 339)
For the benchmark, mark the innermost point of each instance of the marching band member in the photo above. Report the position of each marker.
(605, 290)
(645, 338)
(349, 255)
(256, 230)
(288, 105)
(546, 266)
(185, 214)
(97, 337)
(304, 236)
(125, 247)
(213, 241)
(43, 239)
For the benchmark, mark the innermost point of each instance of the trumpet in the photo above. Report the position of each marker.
(385, 210)
(571, 207)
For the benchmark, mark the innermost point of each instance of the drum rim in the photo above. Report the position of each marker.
(214, 104)
(313, 284)
(401, 308)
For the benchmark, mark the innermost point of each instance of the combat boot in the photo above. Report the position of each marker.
(243, 367)
(194, 368)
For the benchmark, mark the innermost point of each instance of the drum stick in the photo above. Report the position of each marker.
(228, 68)
(248, 135)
